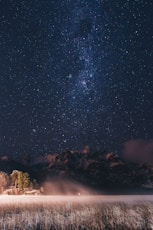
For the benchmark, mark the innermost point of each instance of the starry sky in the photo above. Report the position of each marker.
(74, 73)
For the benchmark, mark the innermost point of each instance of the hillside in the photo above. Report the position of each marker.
(98, 170)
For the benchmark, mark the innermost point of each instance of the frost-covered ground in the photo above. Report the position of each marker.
(76, 212)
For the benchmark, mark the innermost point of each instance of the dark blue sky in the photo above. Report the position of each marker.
(74, 73)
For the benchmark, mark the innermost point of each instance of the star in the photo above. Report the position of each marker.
(75, 73)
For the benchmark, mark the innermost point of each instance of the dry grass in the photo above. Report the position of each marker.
(73, 215)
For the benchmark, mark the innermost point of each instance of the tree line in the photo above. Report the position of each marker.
(17, 181)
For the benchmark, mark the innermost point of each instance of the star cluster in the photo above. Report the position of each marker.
(74, 73)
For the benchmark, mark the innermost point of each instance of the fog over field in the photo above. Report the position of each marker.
(86, 199)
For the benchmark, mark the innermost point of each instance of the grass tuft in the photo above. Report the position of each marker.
(79, 216)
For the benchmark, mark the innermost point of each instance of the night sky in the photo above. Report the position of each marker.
(75, 73)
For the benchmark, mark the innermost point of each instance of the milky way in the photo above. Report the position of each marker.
(74, 73)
